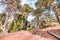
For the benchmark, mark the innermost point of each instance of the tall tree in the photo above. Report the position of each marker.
(42, 5)
(25, 10)
(37, 13)
(12, 7)
(56, 10)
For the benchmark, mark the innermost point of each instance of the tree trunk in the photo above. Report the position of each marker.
(37, 21)
(5, 25)
(56, 14)
(9, 19)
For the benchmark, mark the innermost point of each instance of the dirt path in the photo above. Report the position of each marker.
(35, 34)
(45, 34)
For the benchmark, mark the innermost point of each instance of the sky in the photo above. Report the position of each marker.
(30, 2)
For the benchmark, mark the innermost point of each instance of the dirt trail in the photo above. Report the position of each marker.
(35, 34)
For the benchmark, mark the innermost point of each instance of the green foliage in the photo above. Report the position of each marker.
(2, 18)
(58, 6)
(16, 24)
(1, 30)
(29, 28)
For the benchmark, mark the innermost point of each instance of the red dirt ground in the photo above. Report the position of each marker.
(35, 34)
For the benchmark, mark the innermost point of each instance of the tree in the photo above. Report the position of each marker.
(56, 10)
(42, 5)
(37, 13)
(25, 10)
(12, 7)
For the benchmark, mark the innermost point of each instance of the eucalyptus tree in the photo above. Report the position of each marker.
(37, 13)
(20, 18)
(12, 7)
(56, 8)
(41, 6)
(25, 10)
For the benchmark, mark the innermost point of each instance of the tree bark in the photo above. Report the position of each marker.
(56, 14)
(37, 18)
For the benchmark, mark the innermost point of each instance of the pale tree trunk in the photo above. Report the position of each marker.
(55, 7)
(37, 21)
(56, 13)
(9, 19)
(11, 9)
(5, 24)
